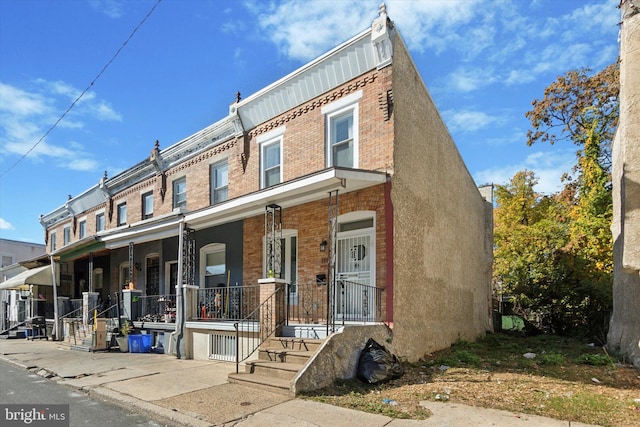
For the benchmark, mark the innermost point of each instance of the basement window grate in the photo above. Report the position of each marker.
(223, 347)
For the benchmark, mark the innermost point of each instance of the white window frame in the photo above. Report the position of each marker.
(270, 139)
(52, 241)
(337, 109)
(206, 250)
(66, 235)
(143, 197)
(104, 223)
(214, 185)
(82, 228)
(119, 218)
(183, 200)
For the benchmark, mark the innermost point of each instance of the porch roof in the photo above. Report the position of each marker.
(291, 193)
(34, 276)
(144, 231)
(306, 189)
(78, 249)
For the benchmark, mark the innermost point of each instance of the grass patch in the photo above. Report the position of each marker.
(594, 359)
(567, 379)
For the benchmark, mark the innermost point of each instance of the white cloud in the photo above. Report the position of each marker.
(468, 120)
(26, 114)
(471, 79)
(110, 8)
(103, 111)
(21, 103)
(495, 35)
(304, 30)
(5, 225)
(547, 168)
(82, 164)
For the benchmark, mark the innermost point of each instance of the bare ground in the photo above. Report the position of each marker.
(559, 382)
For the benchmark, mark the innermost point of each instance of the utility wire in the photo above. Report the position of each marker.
(84, 91)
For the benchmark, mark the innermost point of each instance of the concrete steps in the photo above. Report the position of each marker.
(279, 361)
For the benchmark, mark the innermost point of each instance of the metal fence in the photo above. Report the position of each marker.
(226, 303)
(157, 308)
(349, 301)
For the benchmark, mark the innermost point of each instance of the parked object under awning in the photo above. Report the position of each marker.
(35, 276)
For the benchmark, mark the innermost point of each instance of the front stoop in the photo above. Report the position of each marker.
(279, 360)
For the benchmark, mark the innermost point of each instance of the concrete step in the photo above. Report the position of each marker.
(292, 343)
(279, 360)
(263, 382)
(299, 357)
(285, 371)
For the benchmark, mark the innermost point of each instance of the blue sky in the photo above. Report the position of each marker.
(483, 62)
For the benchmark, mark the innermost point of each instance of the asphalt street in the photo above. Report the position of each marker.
(18, 386)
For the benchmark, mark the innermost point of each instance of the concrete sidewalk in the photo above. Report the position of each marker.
(196, 393)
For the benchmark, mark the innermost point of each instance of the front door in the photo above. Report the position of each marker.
(355, 263)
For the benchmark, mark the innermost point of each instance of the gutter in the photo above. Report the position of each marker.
(177, 336)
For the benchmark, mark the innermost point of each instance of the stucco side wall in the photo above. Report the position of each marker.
(442, 262)
(339, 356)
(624, 328)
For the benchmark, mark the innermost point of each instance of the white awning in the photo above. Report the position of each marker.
(35, 276)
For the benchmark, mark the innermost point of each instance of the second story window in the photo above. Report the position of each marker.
(147, 205)
(341, 140)
(271, 157)
(82, 229)
(99, 221)
(219, 182)
(52, 241)
(270, 162)
(342, 131)
(180, 193)
(122, 214)
(66, 236)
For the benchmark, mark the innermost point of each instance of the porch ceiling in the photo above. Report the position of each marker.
(292, 193)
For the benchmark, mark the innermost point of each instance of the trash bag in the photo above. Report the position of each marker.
(377, 365)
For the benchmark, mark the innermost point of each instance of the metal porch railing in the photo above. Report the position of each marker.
(226, 303)
(260, 324)
(157, 308)
(308, 303)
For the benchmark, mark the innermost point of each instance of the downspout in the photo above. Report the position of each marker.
(177, 335)
(55, 299)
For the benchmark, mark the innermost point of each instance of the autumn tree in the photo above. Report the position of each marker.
(573, 104)
(554, 253)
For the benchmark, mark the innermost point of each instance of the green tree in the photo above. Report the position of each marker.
(550, 279)
(554, 254)
(529, 235)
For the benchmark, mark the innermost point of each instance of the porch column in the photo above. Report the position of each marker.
(89, 302)
(131, 303)
(272, 306)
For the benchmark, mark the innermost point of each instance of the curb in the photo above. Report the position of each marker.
(119, 398)
(168, 414)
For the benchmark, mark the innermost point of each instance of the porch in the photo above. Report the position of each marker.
(230, 323)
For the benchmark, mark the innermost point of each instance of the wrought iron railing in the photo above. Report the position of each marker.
(157, 308)
(260, 324)
(313, 303)
(226, 303)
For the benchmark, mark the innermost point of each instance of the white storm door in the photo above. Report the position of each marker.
(355, 267)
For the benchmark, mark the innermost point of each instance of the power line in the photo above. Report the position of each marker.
(84, 91)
